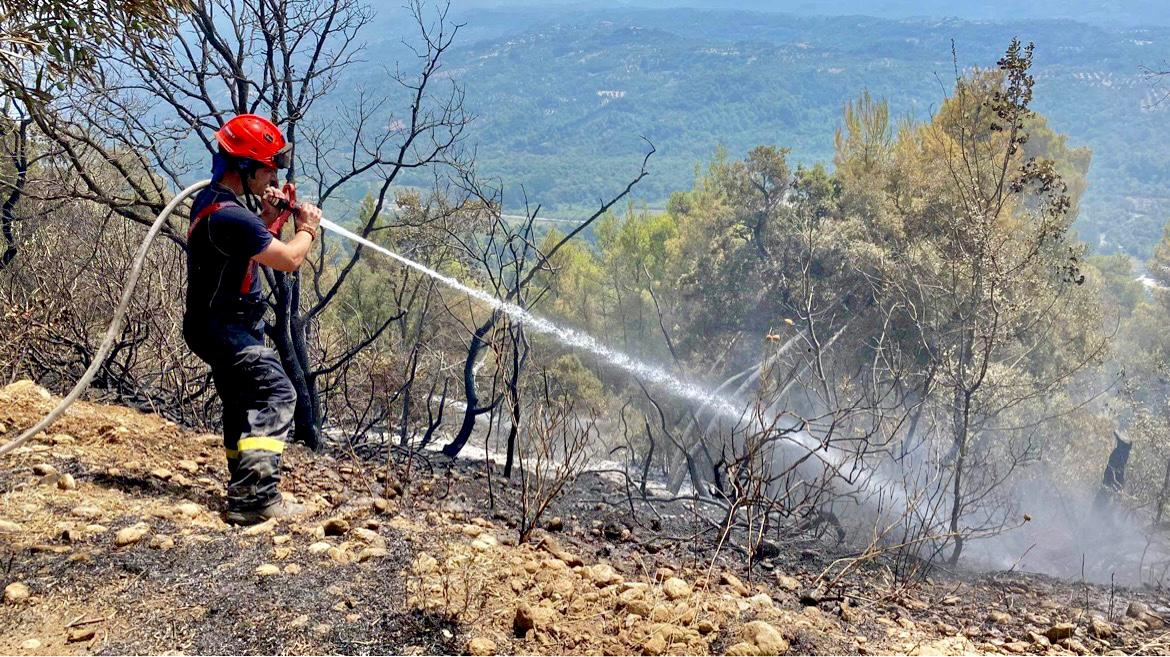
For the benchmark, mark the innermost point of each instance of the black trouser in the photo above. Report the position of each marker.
(258, 402)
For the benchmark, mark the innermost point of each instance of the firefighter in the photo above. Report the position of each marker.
(234, 222)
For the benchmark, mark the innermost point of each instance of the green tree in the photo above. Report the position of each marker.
(988, 275)
(45, 42)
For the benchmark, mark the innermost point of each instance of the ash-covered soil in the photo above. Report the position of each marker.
(111, 541)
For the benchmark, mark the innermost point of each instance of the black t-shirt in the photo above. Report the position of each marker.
(221, 276)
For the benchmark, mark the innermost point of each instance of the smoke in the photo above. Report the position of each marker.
(1068, 537)
(1036, 522)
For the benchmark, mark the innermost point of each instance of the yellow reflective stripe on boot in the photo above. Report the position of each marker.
(261, 442)
(232, 453)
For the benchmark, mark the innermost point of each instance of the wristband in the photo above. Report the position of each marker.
(312, 233)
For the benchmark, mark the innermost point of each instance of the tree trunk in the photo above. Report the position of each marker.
(404, 419)
(1162, 494)
(472, 410)
(647, 461)
(453, 448)
(433, 422)
(515, 430)
(18, 160)
(288, 337)
(912, 431)
(1113, 480)
(407, 388)
(510, 461)
(689, 467)
(519, 356)
(962, 431)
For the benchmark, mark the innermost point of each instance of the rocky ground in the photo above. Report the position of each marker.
(111, 541)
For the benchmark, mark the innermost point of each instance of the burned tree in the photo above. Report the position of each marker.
(510, 262)
(1113, 480)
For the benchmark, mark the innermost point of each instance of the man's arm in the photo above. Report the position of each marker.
(286, 256)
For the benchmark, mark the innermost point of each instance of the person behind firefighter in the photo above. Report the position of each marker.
(223, 324)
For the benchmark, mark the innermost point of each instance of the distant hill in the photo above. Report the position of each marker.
(1117, 13)
(563, 96)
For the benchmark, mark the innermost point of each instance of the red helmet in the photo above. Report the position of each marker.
(255, 138)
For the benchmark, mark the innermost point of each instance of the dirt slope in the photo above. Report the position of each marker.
(111, 542)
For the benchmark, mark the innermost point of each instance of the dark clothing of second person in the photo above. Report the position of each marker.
(224, 326)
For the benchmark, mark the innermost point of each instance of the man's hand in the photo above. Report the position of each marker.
(308, 217)
(268, 210)
(288, 256)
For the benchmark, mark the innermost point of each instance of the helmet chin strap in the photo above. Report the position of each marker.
(250, 200)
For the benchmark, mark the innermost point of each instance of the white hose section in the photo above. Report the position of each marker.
(115, 328)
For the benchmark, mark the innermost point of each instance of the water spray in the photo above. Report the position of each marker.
(582, 341)
(567, 336)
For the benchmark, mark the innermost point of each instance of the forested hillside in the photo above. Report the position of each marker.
(563, 98)
(1131, 13)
